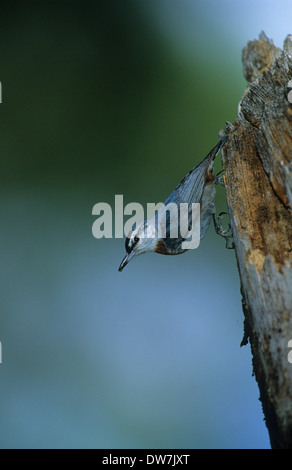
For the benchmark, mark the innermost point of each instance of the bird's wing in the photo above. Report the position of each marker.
(190, 190)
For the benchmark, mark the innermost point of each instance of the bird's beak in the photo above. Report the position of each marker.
(125, 261)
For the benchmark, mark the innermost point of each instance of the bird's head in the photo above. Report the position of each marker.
(140, 240)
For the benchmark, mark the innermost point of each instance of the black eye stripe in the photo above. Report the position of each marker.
(130, 243)
(127, 245)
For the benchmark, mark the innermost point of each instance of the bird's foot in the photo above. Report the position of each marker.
(219, 179)
(225, 233)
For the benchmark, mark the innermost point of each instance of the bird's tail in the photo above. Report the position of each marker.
(212, 155)
(192, 185)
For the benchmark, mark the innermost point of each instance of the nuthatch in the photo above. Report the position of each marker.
(196, 187)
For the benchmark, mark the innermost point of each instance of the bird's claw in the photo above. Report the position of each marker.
(225, 233)
(219, 179)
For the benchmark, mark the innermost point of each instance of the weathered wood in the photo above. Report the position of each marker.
(257, 162)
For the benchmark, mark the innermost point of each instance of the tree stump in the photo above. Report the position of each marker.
(257, 163)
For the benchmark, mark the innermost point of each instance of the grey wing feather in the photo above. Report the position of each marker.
(190, 190)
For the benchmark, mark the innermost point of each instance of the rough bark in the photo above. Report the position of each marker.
(257, 162)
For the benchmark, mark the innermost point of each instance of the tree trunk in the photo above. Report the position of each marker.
(257, 163)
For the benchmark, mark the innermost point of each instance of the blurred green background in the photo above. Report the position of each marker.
(103, 98)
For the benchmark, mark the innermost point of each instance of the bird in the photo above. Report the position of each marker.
(198, 186)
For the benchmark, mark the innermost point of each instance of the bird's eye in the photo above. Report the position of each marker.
(130, 243)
